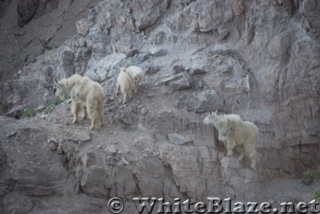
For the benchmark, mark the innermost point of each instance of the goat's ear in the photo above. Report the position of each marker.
(216, 111)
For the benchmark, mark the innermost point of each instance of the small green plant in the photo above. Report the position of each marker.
(54, 103)
(99, 79)
(309, 174)
(49, 109)
(29, 112)
(313, 174)
(316, 194)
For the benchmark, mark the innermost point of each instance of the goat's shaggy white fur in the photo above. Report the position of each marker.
(235, 132)
(137, 76)
(86, 95)
(124, 82)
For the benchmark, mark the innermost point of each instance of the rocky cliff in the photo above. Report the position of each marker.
(258, 59)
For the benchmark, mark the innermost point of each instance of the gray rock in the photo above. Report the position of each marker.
(309, 10)
(83, 136)
(144, 111)
(98, 41)
(178, 69)
(178, 139)
(134, 109)
(26, 11)
(160, 37)
(198, 71)
(112, 72)
(206, 101)
(60, 148)
(171, 190)
(108, 66)
(53, 146)
(40, 192)
(124, 161)
(155, 180)
(16, 112)
(67, 58)
(307, 181)
(125, 182)
(111, 150)
(128, 117)
(279, 45)
(4, 8)
(191, 184)
(132, 52)
(40, 108)
(52, 140)
(183, 101)
(215, 83)
(11, 134)
(17, 203)
(147, 13)
(92, 182)
(82, 27)
(153, 70)
(179, 81)
(223, 33)
(182, 83)
(158, 52)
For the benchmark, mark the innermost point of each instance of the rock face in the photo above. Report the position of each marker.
(26, 10)
(31, 27)
(258, 59)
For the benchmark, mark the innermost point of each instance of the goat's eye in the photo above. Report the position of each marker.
(54, 90)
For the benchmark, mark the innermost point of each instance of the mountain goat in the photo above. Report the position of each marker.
(124, 82)
(235, 132)
(137, 76)
(85, 94)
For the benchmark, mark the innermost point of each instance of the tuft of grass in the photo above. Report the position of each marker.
(29, 112)
(54, 103)
(316, 194)
(309, 174)
(99, 79)
(49, 109)
(314, 174)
